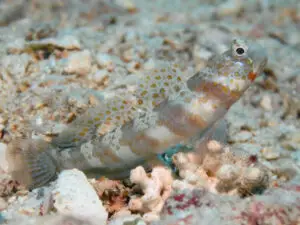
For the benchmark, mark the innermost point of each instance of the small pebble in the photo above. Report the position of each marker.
(214, 146)
(242, 136)
(266, 103)
(99, 76)
(129, 5)
(107, 61)
(78, 63)
(270, 154)
(229, 7)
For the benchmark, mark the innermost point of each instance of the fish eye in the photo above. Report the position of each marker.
(239, 48)
(240, 51)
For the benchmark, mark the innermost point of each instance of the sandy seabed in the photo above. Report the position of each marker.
(57, 58)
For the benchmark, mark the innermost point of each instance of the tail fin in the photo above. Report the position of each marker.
(29, 162)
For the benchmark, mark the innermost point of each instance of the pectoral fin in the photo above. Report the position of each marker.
(30, 163)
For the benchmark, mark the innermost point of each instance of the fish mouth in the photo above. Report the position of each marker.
(259, 56)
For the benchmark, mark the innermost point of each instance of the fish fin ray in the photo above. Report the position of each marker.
(30, 163)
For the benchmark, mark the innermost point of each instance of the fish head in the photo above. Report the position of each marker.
(241, 64)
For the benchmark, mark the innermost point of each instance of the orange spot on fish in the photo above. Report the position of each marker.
(251, 76)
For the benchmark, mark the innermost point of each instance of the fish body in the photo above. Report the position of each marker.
(165, 109)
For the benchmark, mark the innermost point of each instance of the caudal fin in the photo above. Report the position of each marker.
(30, 163)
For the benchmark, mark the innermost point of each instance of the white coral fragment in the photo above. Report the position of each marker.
(75, 197)
(220, 171)
(156, 189)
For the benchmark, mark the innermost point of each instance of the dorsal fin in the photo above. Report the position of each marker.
(165, 81)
